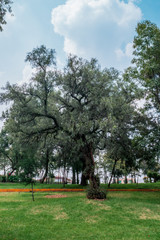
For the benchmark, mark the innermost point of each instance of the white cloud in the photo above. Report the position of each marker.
(98, 28)
(59, 63)
(129, 49)
(1, 74)
(10, 17)
(26, 74)
(126, 53)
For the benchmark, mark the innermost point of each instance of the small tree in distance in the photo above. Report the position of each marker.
(28, 166)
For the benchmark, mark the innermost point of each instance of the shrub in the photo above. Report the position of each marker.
(153, 175)
(3, 178)
(145, 179)
(13, 179)
(96, 193)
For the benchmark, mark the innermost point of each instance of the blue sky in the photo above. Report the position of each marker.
(31, 26)
(89, 28)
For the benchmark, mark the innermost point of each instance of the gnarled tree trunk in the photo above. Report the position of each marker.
(94, 192)
(90, 166)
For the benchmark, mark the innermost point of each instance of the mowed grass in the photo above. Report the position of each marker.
(39, 186)
(123, 216)
(75, 186)
(134, 186)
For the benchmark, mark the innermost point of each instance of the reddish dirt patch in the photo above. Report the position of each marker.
(56, 196)
(101, 200)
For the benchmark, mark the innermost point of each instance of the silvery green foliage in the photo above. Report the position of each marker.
(5, 6)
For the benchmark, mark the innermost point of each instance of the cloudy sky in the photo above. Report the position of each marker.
(103, 29)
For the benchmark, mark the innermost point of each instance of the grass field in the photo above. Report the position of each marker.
(75, 186)
(123, 216)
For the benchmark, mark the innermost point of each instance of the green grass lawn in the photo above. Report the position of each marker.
(73, 186)
(39, 186)
(134, 186)
(123, 216)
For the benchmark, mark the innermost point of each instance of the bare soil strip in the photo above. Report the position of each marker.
(56, 196)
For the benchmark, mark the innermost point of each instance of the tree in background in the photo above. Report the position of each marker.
(147, 75)
(45, 154)
(28, 167)
(28, 118)
(5, 6)
(147, 59)
(4, 152)
(10, 150)
(119, 146)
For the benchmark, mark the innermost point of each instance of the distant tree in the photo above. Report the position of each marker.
(102, 166)
(9, 150)
(147, 59)
(5, 6)
(119, 145)
(67, 157)
(153, 175)
(147, 75)
(28, 167)
(45, 154)
(30, 114)
(4, 152)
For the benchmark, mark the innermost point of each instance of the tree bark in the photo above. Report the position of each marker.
(10, 174)
(77, 173)
(112, 173)
(126, 181)
(73, 175)
(46, 167)
(105, 175)
(64, 176)
(12, 171)
(117, 180)
(90, 166)
(134, 177)
(84, 178)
